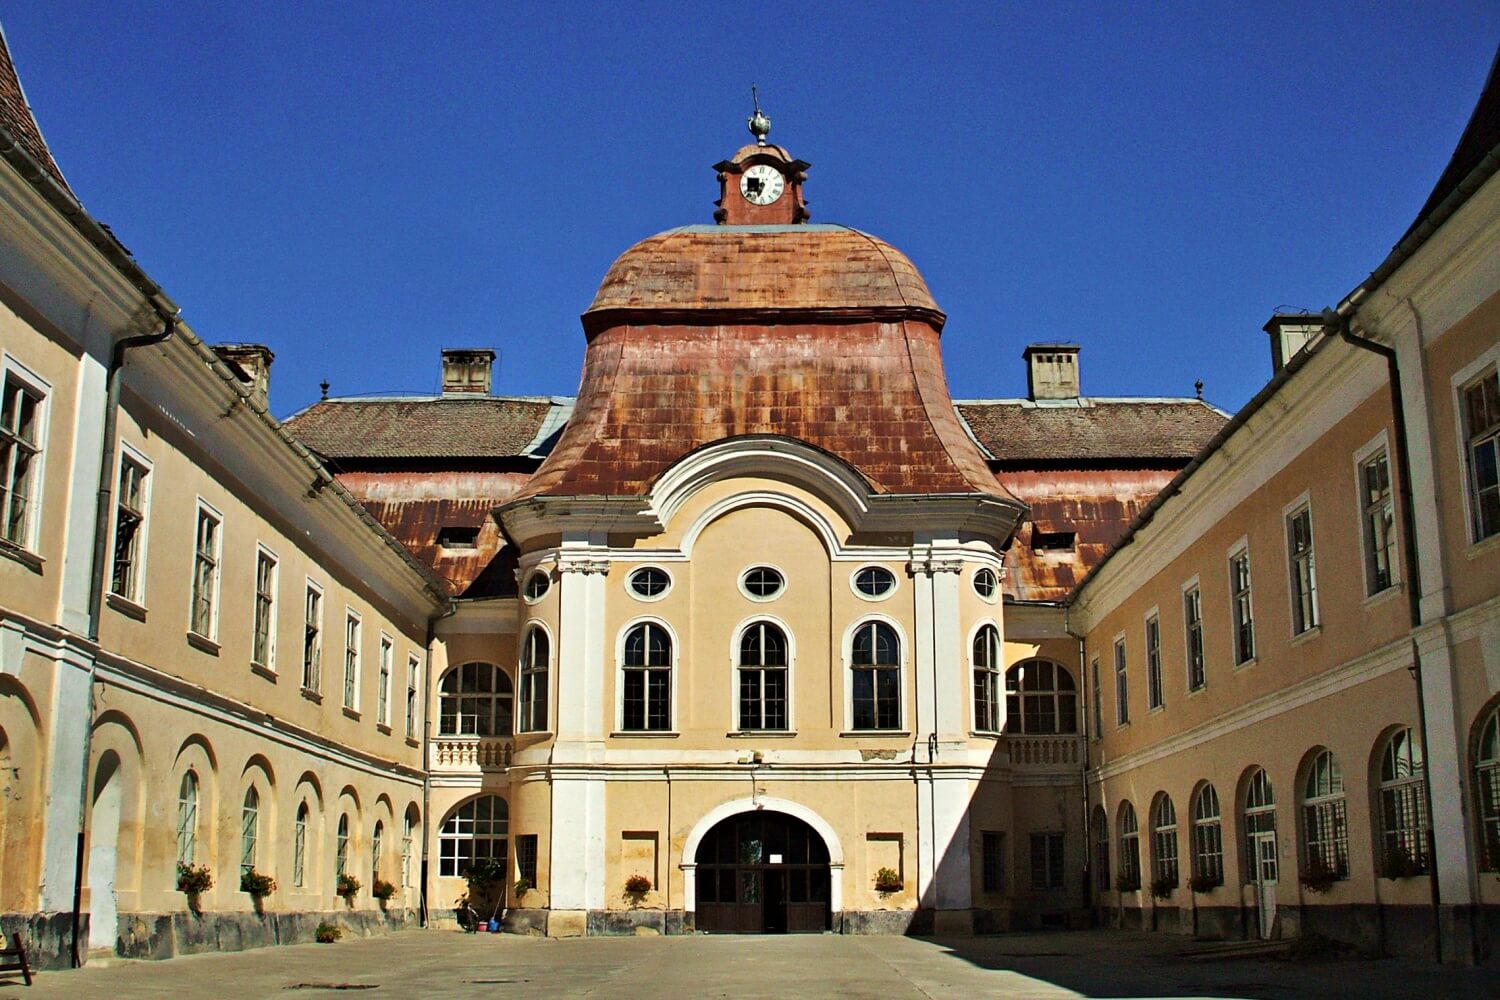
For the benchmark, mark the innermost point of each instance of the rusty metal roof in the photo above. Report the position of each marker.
(1091, 429)
(430, 427)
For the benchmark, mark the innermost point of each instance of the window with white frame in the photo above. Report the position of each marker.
(187, 818)
(1260, 824)
(475, 699)
(408, 829)
(1192, 617)
(352, 628)
(312, 639)
(1239, 599)
(377, 845)
(1048, 865)
(875, 666)
(127, 575)
(986, 665)
(475, 832)
(1487, 785)
(1154, 694)
(535, 663)
(526, 852)
(1299, 540)
(1378, 522)
(205, 596)
(1040, 698)
(1097, 693)
(1130, 850)
(1208, 837)
(383, 695)
(413, 665)
(299, 846)
(1122, 685)
(764, 657)
(21, 415)
(1100, 860)
(341, 848)
(1481, 426)
(646, 669)
(249, 829)
(1403, 806)
(263, 639)
(1325, 823)
(1164, 842)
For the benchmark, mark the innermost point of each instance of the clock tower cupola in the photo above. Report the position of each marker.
(761, 185)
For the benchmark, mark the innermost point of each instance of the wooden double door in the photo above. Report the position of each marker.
(762, 873)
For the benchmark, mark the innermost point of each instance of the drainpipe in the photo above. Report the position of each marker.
(1333, 319)
(1085, 686)
(103, 505)
(427, 755)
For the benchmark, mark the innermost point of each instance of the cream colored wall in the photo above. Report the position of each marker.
(25, 720)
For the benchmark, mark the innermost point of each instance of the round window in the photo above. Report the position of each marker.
(874, 581)
(985, 584)
(649, 582)
(762, 582)
(537, 585)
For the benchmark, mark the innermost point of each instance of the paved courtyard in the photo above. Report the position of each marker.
(441, 964)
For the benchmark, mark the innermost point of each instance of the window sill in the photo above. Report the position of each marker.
(261, 670)
(1305, 636)
(203, 643)
(980, 734)
(414, 743)
(864, 734)
(125, 606)
(30, 560)
(1157, 709)
(312, 696)
(545, 733)
(646, 734)
(1383, 596)
(1122, 725)
(1483, 547)
(1246, 664)
(352, 713)
(381, 727)
(1195, 692)
(760, 734)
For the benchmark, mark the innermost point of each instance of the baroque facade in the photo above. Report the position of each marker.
(762, 631)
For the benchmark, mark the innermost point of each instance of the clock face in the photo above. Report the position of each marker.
(762, 184)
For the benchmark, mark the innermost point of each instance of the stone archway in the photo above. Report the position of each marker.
(762, 871)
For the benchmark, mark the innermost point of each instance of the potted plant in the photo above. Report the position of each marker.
(887, 881)
(258, 885)
(382, 891)
(194, 880)
(348, 887)
(1401, 863)
(1162, 886)
(483, 878)
(1317, 877)
(1127, 882)
(327, 934)
(522, 887)
(636, 887)
(1204, 882)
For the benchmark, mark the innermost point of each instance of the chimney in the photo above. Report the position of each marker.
(1051, 371)
(1290, 333)
(466, 371)
(251, 364)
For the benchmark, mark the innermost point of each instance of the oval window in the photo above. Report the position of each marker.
(874, 581)
(537, 585)
(649, 582)
(985, 584)
(762, 583)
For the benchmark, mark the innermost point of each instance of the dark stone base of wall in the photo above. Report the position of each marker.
(913, 923)
(167, 935)
(47, 937)
(1221, 923)
(519, 920)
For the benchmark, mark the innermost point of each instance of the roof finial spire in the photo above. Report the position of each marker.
(760, 125)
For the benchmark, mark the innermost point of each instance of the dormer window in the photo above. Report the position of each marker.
(1053, 541)
(456, 537)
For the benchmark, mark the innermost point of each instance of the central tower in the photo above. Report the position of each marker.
(761, 185)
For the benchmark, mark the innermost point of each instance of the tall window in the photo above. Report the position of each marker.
(1482, 435)
(206, 574)
(992, 846)
(1164, 841)
(341, 848)
(475, 699)
(383, 696)
(249, 829)
(299, 847)
(187, 818)
(1299, 540)
(1101, 850)
(312, 640)
(1260, 824)
(1487, 782)
(1047, 861)
(351, 660)
(412, 666)
(1239, 597)
(763, 677)
(1208, 836)
(408, 828)
(647, 669)
(130, 531)
(1154, 697)
(1130, 849)
(876, 663)
(20, 457)
(377, 844)
(526, 857)
(1098, 697)
(1379, 527)
(1324, 821)
(1040, 698)
(263, 642)
(1122, 685)
(986, 660)
(1403, 805)
(1192, 616)
(535, 659)
(475, 831)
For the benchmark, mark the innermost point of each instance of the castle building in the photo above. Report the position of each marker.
(761, 631)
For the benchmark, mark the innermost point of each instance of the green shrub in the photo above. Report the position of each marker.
(327, 934)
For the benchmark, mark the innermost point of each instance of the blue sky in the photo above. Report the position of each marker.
(357, 185)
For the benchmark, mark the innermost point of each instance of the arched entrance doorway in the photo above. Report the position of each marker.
(762, 872)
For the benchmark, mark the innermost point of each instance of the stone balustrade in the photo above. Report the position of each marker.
(1045, 751)
(468, 753)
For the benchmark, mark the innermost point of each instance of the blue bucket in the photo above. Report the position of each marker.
(494, 927)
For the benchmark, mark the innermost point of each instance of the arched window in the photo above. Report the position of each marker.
(647, 667)
(1101, 850)
(475, 700)
(1260, 829)
(249, 829)
(341, 848)
(763, 663)
(535, 660)
(1487, 781)
(986, 661)
(1130, 850)
(299, 847)
(1208, 837)
(1403, 806)
(876, 663)
(1164, 841)
(408, 828)
(187, 818)
(377, 842)
(1325, 826)
(476, 831)
(1040, 698)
